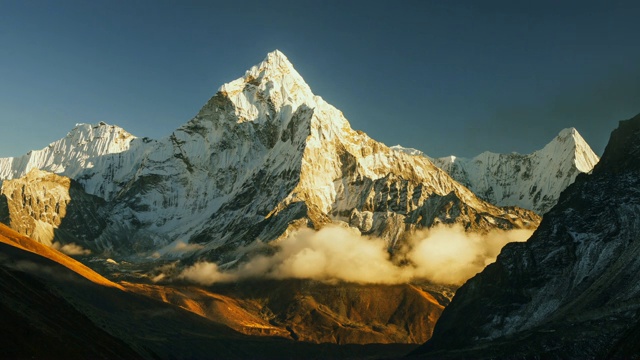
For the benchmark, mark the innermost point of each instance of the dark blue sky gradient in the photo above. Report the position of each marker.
(446, 77)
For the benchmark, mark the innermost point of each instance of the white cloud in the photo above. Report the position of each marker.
(450, 255)
(443, 255)
(204, 273)
(182, 247)
(71, 249)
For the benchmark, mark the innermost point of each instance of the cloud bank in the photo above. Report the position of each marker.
(445, 255)
(71, 249)
(449, 255)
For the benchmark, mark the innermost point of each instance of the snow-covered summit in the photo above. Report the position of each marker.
(569, 144)
(71, 154)
(406, 150)
(272, 84)
(532, 181)
(276, 68)
(450, 159)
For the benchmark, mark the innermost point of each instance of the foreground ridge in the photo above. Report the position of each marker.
(567, 292)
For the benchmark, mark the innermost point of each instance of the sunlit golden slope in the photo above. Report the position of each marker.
(310, 311)
(239, 314)
(10, 237)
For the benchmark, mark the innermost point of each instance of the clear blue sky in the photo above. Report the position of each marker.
(446, 77)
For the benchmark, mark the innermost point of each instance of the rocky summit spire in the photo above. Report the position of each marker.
(275, 62)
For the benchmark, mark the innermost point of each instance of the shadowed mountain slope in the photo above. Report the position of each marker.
(571, 290)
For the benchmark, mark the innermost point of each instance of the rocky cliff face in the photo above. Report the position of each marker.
(47, 207)
(532, 181)
(262, 157)
(570, 291)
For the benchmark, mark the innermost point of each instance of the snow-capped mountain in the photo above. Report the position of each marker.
(571, 290)
(72, 154)
(533, 181)
(263, 156)
(406, 150)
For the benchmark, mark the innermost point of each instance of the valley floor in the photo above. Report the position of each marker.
(54, 307)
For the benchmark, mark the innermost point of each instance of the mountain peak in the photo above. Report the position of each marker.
(572, 135)
(275, 67)
(98, 128)
(569, 143)
(271, 84)
(571, 131)
(532, 181)
(82, 134)
(71, 154)
(277, 57)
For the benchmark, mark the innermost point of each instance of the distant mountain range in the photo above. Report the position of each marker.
(533, 181)
(263, 157)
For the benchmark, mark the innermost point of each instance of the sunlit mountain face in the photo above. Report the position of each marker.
(263, 227)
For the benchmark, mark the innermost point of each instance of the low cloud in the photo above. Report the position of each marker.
(446, 255)
(71, 249)
(206, 273)
(176, 248)
(449, 255)
(182, 247)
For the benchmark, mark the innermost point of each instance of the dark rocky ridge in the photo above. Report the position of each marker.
(568, 292)
(39, 323)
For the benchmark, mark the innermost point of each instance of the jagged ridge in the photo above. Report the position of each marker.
(532, 181)
(72, 154)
